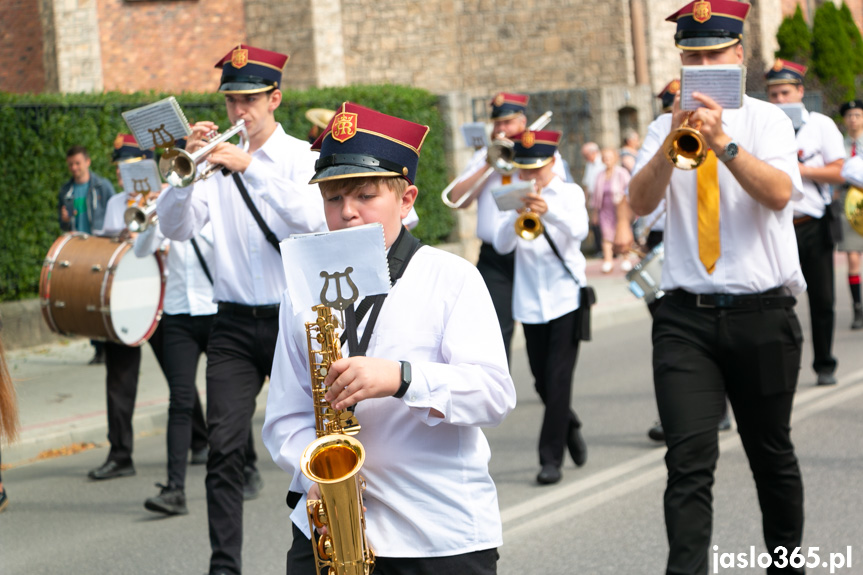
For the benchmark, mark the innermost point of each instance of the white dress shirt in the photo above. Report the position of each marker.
(247, 269)
(187, 288)
(819, 142)
(429, 492)
(543, 290)
(487, 214)
(115, 211)
(758, 245)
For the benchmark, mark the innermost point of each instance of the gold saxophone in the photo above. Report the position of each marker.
(333, 461)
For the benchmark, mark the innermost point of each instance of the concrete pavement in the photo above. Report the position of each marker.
(62, 399)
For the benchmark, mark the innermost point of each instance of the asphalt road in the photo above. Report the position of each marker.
(604, 518)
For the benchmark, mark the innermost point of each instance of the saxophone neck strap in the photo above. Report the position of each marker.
(400, 254)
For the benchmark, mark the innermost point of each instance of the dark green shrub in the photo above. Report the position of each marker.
(795, 38)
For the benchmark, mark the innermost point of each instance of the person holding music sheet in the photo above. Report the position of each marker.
(820, 155)
(432, 375)
(265, 199)
(726, 323)
(547, 299)
(81, 207)
(852, 242)
(509, 119)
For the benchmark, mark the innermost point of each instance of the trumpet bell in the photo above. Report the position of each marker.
(138, 218)
(854, 209)
(500, 155)
(685, 148)
(528, 226)
(178, 167)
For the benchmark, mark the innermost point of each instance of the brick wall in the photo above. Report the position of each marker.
(21, 47)
(169, 45)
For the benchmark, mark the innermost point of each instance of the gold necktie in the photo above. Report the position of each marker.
(708, 212)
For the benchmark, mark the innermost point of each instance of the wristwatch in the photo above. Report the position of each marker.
(406, 379)
(729, 153)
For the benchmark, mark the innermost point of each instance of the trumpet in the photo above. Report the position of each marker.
(499, 156)
(140, 217)
(854, 209)
(685, 147)
(528, 226)
(180, 168)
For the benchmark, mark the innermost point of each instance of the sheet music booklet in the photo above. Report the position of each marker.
(474, 134)
(724, 83)
(795, 112)
(159, 124)
(509, 197)
(140, 176)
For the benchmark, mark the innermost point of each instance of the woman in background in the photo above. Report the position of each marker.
(609, 191)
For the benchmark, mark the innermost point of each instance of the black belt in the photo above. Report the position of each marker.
(771, 299)
(256, 311)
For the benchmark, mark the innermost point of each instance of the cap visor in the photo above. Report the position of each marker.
(243, 88)
(344, 171)
(506, 116)
(531, 163)
(706, 43)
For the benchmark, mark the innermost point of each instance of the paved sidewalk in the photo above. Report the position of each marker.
(62, 399)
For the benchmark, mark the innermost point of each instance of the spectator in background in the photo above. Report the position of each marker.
(592, 166)
(852, 242)
(629, 150)
(609, 192)
(81, 207)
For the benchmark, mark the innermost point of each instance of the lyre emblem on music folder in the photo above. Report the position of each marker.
(161, 137)
(141, 186)
(340, 303)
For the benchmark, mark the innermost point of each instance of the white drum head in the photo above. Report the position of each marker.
(136, 293)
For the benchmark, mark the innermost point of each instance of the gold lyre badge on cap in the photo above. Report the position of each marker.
(498, 100)
(701, 11)
(528, 139)
(344, 126)
(777, 65)
(239, 57)
(674, 87)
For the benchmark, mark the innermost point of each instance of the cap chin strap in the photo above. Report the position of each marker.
(360, 161)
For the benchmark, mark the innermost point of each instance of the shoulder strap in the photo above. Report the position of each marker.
(557, 253)
(268, 233)
(201, 260)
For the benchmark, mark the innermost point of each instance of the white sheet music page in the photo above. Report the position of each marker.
(140, 176)
(332, 267)
(474, 134)
(723, 83)
(509, 197)
(159, 124)
(795, 112)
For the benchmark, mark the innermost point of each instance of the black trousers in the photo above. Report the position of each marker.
(816, 260)
(498, 272)
(185, 338)
(122, 364)
(301, 561)
(552, 351)
(239, 357)
(753, 356)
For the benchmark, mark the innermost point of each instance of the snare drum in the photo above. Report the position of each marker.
(97, 287)
(646, 275)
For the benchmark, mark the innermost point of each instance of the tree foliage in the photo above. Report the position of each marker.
(38, 129)
(794, 38)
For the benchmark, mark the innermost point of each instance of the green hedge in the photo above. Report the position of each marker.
(38, 129)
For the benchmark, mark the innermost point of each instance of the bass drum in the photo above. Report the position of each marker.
(96, 287)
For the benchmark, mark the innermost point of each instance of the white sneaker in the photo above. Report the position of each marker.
(606, 267)
(626, 265)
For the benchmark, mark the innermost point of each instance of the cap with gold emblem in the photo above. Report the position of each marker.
(505, 106)
(248, 70)
(360, 142)
(785, 72)
(851, 105)
(126, 149)
(534, 149)
(709, 24)
(666, 96)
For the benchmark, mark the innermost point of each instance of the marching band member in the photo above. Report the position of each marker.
(509, 120)
(432, 375)
(549, 271)
(248, 276)
(820, 155)
(726, 323)
(852, 242)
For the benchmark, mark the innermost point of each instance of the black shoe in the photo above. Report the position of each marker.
(577, 446)
(548, 475)
(826, 379)
(170, 501)
(199, 456)
(111, 469)
(858, 317)
(98, 358)
(656, 433)
(4, 501)
(252, 483)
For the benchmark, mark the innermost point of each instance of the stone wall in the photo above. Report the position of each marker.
(78, 50)
(21, 48)
(167, 46)
(285, 27)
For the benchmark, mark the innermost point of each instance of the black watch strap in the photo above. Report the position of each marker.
(406, 380)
